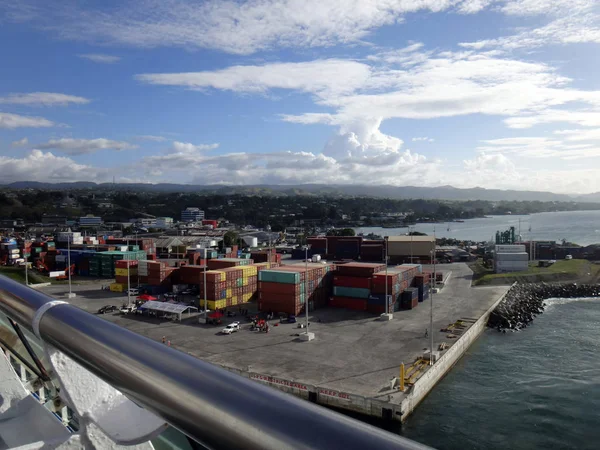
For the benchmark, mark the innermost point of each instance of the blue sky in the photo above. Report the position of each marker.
(492, 93)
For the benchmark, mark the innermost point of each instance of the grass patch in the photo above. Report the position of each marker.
(18, 274)
(564, 270)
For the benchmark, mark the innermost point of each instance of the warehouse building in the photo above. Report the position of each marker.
(410, 249)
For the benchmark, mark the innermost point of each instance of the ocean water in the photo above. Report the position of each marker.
(581, 227)
(534, 389)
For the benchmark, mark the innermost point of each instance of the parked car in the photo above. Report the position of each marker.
(107, 309)
(133, 291)
(127, 309)
(291, 319)
(235, 326)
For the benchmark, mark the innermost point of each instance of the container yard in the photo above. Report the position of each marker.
(355, 360)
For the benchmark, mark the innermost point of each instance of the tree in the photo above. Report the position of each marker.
(230, 238)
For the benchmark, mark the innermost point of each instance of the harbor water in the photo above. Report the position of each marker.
(581, 227)
(534, 389)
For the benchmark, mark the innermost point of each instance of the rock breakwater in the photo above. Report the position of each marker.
(523, 302)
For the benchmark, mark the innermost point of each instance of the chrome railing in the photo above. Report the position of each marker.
(211, 405)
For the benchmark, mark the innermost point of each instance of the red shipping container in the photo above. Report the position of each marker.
(348, 303)
(356, 282)
(279, 288)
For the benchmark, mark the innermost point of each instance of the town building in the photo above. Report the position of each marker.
(192, 214)
(164, 222)
(90, 221)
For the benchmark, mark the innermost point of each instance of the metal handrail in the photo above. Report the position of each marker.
(209, 404)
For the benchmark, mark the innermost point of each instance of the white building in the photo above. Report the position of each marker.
(90, 221)
(164, 222)
(191, 214)
(510, 258)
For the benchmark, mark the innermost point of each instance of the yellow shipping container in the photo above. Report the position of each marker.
(117, 287)
(123, 272)
(246, 297)
(234, 300)
(216, 304)
(228, 293)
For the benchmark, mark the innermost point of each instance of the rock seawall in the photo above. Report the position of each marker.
(523, 302)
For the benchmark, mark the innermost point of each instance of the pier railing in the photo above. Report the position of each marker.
(210, 405)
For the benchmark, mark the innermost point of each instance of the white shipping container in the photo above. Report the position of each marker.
(510, 248)
(61, 258)
(56, 274)
(15, 250)
(14, 256)
(316, 258)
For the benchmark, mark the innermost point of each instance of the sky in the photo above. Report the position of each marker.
(490, 93)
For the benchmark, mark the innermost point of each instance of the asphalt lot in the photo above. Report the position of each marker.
(353, 351)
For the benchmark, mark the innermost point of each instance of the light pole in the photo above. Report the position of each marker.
(411, 244)
(387, 309)
(128, 278)
(204, 289)
(26, 264)
(71, 294)
(138, 271)
(431, 306)
(307, 336)
(306, 284)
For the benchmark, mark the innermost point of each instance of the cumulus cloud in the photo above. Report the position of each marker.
(100, 58)
(20, 143)
(12, 121)
(85, 146)
(44, 166)
(231, 26)
(43, 99)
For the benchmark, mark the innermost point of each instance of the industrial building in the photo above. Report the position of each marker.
(410, 249)
(510, 258)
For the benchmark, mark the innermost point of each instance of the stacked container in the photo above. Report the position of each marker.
(372, 251)
(223, 263)
(287, 288)
(409, 298)
(126, 270)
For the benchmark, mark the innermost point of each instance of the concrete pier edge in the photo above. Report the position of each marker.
(377, 406)
(431, 378)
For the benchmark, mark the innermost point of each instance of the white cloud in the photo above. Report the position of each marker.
(557, 148)
(12, 121)
(150, 137)
(20, 143)
(231, 26)
(40, 166)
(422, 139)
(43, 99)
(585, 118)
(330, 76)
(100, 58)
(85, 146)
(186, 147)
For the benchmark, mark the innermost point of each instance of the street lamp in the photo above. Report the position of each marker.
(307, 336)
(431, 306)
(71, 294)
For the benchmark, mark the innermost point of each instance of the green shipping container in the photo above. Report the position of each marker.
(344, 291)
(275, 276)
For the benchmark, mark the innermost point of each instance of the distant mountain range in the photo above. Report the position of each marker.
(395, 192)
